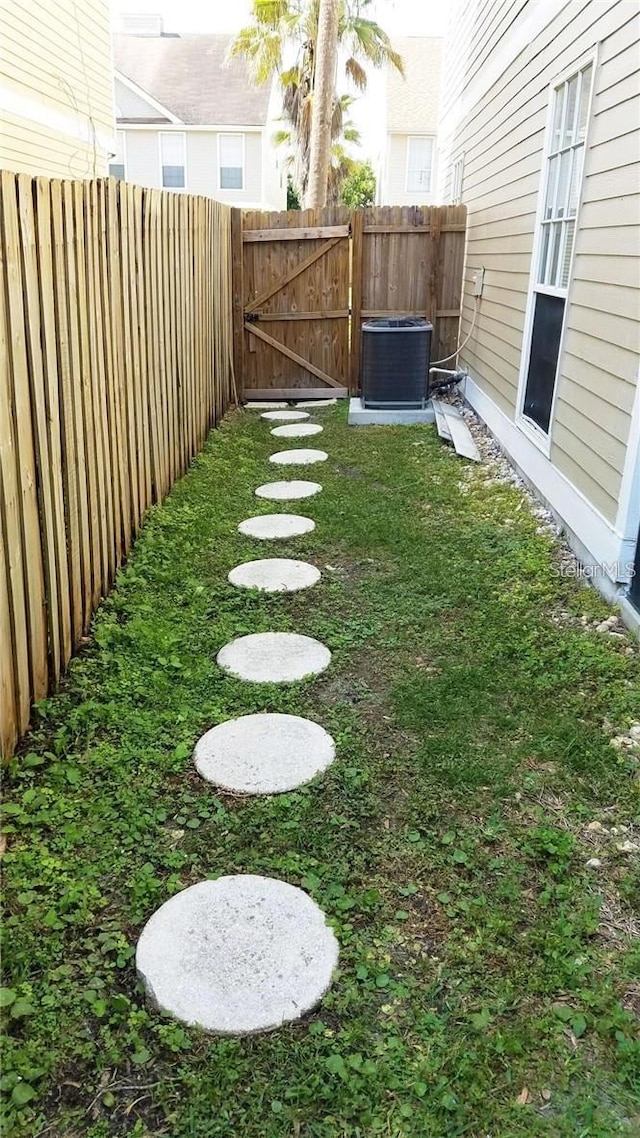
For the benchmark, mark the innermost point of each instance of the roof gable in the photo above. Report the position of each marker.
(134, 105)
(188, 77)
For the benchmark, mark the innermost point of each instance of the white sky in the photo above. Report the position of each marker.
(397, 17)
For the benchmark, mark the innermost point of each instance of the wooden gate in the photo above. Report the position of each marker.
(296, 302)
(303, 282)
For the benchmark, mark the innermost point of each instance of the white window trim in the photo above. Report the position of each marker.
(238, 134)
(124, 152)
(541, 438)
(417, 193)
(456, 199)
(174, 189)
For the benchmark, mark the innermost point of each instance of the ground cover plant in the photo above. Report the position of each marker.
(488, 980)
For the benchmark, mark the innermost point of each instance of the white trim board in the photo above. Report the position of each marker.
(594, 540)
(124, 124)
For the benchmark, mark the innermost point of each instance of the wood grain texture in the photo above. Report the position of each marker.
(116, 347)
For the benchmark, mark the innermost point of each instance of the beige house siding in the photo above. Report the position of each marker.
(142, 148)
(396, 178)
(412, 107)
(56, 93)
(502, 137)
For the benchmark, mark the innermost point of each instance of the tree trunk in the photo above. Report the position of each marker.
(324, 83)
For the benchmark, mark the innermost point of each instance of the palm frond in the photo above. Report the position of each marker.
(356, 73)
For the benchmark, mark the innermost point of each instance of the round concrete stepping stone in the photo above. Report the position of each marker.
(317, 403)
(285, 416)
(285, 491)
(273, 527)
(238, 955)
(296, 430)
(302, 457)
(274, 657)
(275, 575)
(264, 754)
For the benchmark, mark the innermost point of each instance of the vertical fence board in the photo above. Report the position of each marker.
(115, 358)
(34, 629)
(45, 485)
(53, 418)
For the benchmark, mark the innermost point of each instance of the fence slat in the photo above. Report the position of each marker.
(46, 492)
(34, 629)
(115, 358)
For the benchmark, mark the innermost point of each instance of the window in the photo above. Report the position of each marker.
(457, 174)
(419, 164)
(556, 232)
(118, 161)
(172, 160)
(231, 158)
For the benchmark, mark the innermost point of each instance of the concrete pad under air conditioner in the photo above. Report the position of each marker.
(275, 575)
(264, 754)
(302, 457)
(296, 430)
(237, 955)
(275, 527)
(286, 491)
(274, 657)
(361, 416)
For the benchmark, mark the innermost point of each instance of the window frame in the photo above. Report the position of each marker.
(232, 134)
(174, 134)
(120, 134)
(457, 179)
(531, 429)
(421, 137)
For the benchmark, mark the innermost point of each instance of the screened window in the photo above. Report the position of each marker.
(419, 164)
(564, 165)
(172, 159)
(117, 162)
(560, 191)
(231, 161)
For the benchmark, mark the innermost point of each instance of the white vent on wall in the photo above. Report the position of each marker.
(141, 24)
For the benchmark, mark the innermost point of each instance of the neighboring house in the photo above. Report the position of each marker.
(541, 140)
(56, 88)
(409, 165)
(189, 121)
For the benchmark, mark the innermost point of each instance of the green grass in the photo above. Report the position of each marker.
(487, 984)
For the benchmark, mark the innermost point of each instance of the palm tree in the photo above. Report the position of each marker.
(324, 88)
(343, 130)
(281, 40)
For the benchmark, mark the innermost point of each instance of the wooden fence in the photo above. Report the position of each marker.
(305, 281)
(115, 360)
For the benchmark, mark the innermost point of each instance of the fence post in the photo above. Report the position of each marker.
(433, 261)
(238, 300)
(357, 237)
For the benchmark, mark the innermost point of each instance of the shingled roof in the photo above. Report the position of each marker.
(187, 74)
(413, 99)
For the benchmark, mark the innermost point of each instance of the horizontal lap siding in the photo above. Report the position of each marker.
(502, 138)
(57, 57)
